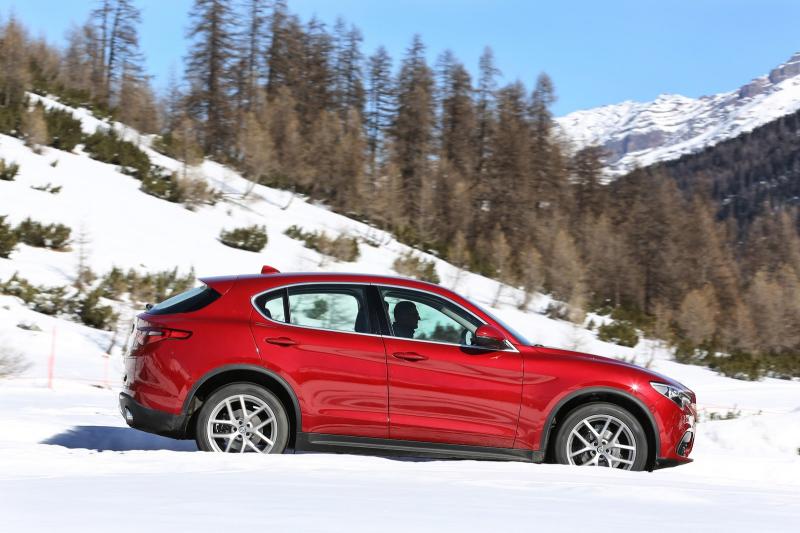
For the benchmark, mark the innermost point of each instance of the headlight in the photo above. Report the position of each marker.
(680, 397)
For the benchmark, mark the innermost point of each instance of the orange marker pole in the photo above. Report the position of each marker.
(52, 361)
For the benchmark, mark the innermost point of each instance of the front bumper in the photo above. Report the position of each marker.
(151, 420)
(677, 435)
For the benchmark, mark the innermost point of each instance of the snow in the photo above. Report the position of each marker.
(644, 133)
(69, 463)
(66, 451)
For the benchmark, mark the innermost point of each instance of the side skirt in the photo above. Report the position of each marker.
(319, 442)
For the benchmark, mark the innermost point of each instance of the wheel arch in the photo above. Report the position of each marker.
(212, 381)
(607, 394)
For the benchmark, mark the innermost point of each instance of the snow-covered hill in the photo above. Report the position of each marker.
(746, 474)
(643, 133)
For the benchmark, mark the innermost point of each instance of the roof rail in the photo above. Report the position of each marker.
(266, 269)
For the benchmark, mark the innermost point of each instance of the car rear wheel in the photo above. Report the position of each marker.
(601, 434)
(242, 418)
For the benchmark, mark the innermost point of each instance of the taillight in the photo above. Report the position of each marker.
(151, 334)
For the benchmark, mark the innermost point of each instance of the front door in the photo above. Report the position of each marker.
(441, 388)
(322, 338)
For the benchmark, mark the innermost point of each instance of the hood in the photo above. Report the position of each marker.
(645, 373)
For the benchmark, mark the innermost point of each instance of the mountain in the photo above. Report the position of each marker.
(751, 178)
(637, 134)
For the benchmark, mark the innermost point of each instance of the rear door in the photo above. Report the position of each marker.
(323, 339)
(441, 388)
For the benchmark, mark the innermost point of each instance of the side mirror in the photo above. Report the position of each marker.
(488, 336)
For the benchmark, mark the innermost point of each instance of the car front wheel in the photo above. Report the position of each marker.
(242, 418)
(601, 434)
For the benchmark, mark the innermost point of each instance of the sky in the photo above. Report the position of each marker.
(597, 51)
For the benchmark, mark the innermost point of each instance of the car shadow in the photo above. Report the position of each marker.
(122, 439)
(117, 439)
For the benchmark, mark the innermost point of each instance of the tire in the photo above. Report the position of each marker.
(264, 429)
(623, 444)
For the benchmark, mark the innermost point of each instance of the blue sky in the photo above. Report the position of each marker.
(597, 51)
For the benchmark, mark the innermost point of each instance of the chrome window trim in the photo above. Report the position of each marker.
(286, 287)
(456, 304)
(510, 346)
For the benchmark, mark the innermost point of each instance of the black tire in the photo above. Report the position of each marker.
(258, 404)
(616, 454)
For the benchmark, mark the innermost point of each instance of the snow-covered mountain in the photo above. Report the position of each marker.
(642, 133)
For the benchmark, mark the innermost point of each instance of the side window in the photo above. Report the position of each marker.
(422, 316)
(338, 308)
(272, 306)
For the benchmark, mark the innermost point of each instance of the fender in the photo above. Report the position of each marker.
(604, 390)
(250, 368)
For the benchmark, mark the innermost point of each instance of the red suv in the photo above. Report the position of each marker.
(376, 364)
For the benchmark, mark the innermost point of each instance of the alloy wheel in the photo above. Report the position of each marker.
(601, 440)
(242, 423)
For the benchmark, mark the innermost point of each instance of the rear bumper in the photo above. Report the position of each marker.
(151, 420)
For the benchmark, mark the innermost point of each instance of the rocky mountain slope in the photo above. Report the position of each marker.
(637, 134)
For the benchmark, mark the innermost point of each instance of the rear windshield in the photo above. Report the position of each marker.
(186, 302)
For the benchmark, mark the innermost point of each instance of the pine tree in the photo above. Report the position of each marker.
(458, 252)
(323, 157)
(76, 68)
(458, 122)
(348, 86)
(256, 149)
(612, 276)
(532, 274)
(352, 163)
(587, 168)
(123, 55)
(15, 76)
(282, 53)
(697, 316)
(253, 49)
(412, 129)
(458, 255)
(738, 332)
(34, 128)
(208, 70)
(501, 260)
(137, 103)
(703, 258)
(379, 103)
(173, 108)
(487, 85)
(314, 92)
(652, 236)
(284, 128)
(45, 65)
(547, 183)
(98, 30)
(507, 168)
(185, 147)
(565, 273)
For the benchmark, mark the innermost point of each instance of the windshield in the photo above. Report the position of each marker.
(519, 337)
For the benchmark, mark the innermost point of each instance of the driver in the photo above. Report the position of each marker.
(406, 319)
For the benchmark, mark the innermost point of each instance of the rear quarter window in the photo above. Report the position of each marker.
(186, 302)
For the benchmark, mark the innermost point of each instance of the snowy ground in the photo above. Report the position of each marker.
(68, 462)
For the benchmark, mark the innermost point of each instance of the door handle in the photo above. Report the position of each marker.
(281, 341)
(409, 356)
